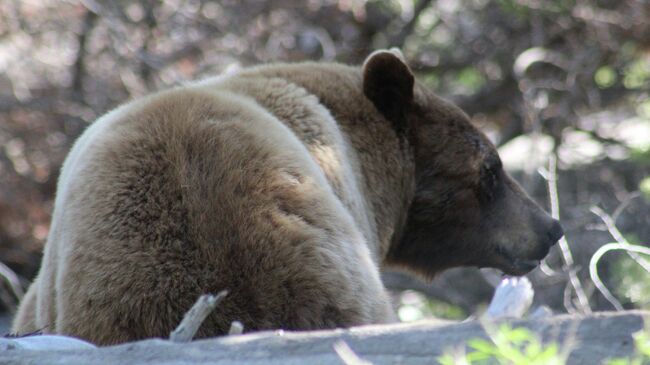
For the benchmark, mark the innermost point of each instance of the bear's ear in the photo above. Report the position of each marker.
(388, 82)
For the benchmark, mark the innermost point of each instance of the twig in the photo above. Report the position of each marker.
(236, 328)
(618, 236)
(151, 23)
(347, 355)
(621, 244)
(593, 267)
(79, 67)
(12, 279)
(546, 269)
(621, 207)
(407, 29)
(115, 19)
(567, 256)
(195, 317)
(567, 300)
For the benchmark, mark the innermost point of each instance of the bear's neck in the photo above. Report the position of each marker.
(382, 164)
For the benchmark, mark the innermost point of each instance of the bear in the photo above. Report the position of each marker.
(289, 185)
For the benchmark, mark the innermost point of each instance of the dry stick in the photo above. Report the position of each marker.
(407, 29)
(567, 256)
(543, 265)
(622, 244)
(621, 207)
(347, 355)
(236, 328)
(611, 227)
(567, 299)
(195, 317)
(593, 267)
(12, 279)
(113, 19)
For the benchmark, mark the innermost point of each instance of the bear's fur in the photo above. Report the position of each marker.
(290, 185)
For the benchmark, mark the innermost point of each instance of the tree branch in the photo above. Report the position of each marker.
(195, 316)
(398, 40)
(79, 66)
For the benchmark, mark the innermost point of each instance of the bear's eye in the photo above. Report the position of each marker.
(489, 178)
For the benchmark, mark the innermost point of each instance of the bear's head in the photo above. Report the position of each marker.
(466, 210)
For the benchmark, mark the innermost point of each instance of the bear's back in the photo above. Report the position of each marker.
(192, 191)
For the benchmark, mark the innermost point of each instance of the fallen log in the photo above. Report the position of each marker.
(592, 338)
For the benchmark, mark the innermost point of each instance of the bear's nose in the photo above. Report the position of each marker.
(556, 232)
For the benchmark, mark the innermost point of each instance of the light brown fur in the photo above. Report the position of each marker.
(283, 184)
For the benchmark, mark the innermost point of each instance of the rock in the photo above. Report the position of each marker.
(592, 339)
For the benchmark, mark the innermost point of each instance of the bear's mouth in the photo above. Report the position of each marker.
(521, 267)
(514, 266)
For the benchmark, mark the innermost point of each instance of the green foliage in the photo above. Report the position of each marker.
(428, 19)
(632, 281)
(431, 80)
(520, 346)
(470, 79)
(440, 309)
(642, 353)
(415, 306)
(637, 74)
(643, 110)
(514, 8)
(522, 9)
(605, 77)
(642, 343)
(629, 50)
(640, 155)
(387, 7)
(512, 346)
(644, 187)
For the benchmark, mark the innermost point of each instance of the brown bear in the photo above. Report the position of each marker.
(290, 185)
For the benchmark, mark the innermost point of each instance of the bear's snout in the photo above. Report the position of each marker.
(548, 232)
(555, 232)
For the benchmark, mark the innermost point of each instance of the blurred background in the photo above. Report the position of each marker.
(561, 86)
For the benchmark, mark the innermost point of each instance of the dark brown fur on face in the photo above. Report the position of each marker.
(466, 211)
(288, 185)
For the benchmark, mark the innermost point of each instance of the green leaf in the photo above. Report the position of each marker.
(446, 359)
(643, 110)
(642, 343)
(519, 335)
(636, 74)
(619, 361)
(534, 349)
(471, 79)
(511, 353)
(605, 77)
(482, 346)
(644, 186)
(549, 355)
(478, 356)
